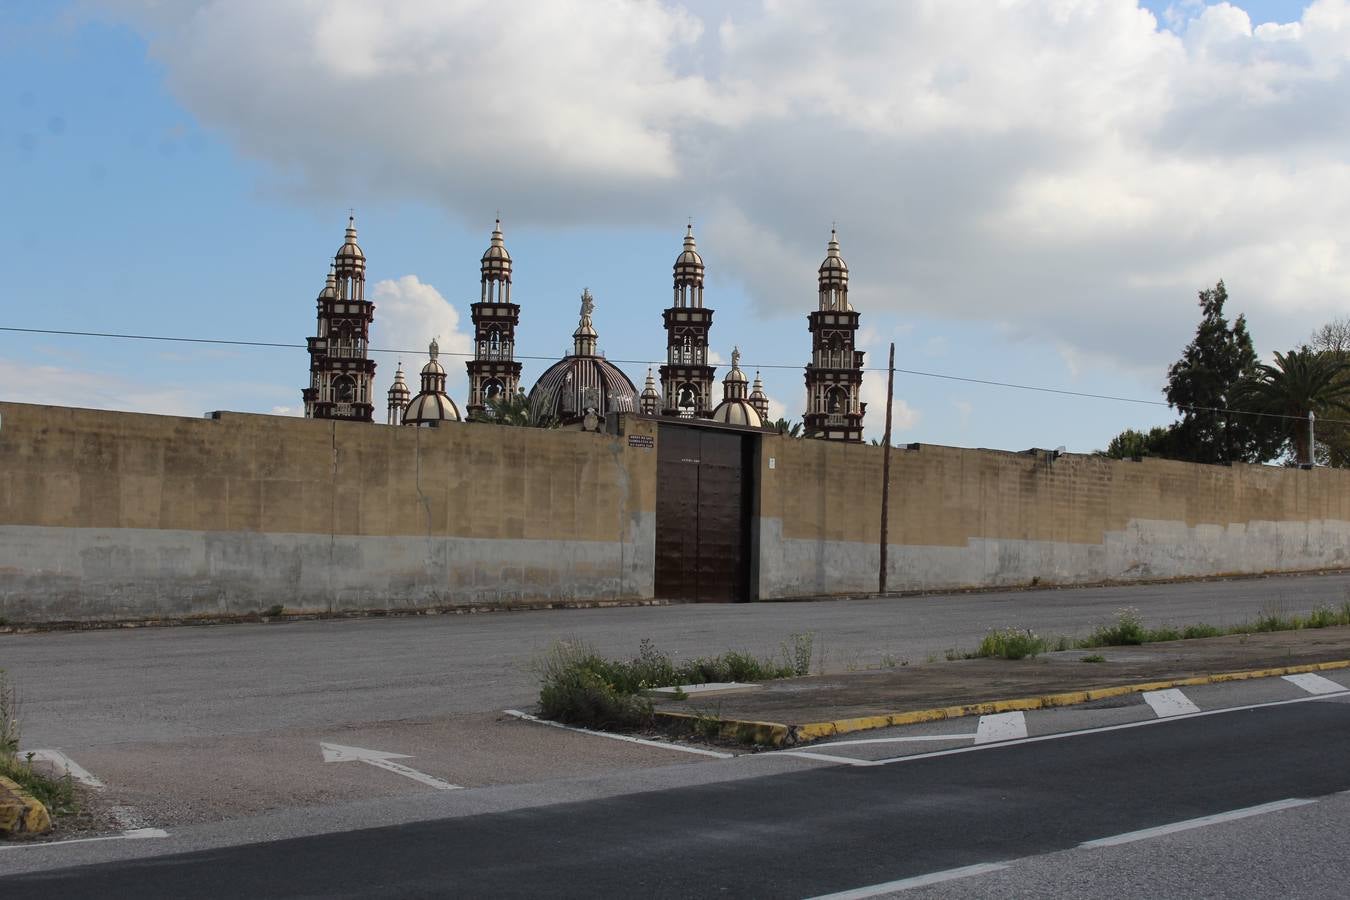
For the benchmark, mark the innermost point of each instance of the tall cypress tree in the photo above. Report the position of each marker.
(1204, 383)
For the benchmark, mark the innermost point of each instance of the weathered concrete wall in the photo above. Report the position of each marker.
(106, 514)
(973, 518)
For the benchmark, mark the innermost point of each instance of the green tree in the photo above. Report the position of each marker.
(1130, 443)
(1301, 381)
(791, 429)
(507, 409)
(1201, 386)
(1333, 435)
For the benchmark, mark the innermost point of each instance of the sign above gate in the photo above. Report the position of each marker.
(645, 441)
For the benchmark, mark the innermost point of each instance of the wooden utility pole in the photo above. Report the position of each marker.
(886, 470)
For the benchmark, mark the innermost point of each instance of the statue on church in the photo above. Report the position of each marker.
(587, 303)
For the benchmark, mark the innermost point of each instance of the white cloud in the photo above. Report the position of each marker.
(408, 314)
(81, 388)
(1070, 168)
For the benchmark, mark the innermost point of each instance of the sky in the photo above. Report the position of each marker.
(1027, 192)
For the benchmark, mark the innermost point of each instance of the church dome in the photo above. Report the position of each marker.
(432, 405)
(833, 270)
(650, 399)
(329, 291)
(737, 412)
(399, 389)
(582, 380)
(689, 264)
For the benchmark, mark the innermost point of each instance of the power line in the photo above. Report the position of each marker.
(647, 362)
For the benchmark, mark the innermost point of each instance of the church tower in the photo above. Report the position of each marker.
(341, 374)
(493, 371)
(686, 378)
(398, 397)
(834, 375)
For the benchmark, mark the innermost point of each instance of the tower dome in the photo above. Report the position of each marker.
(349, 257)
(689, 265)
(496, 264)
(398, 397)
(650, 400)
(432, 405)
(329, 291)
(582, 381)
(759, 400)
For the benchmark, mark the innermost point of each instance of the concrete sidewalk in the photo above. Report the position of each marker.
(798, 710)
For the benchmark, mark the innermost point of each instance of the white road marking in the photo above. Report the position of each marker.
(1146, 833)
(63, 763)
(1144, 723)
(1170, 702)
(132, 835)
(381, 760)
(1315, 684)
(900, 740)
(1009, 726)
(824, 757)
(917, 881)
(620, 737)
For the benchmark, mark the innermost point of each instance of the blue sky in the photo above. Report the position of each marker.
(187, 172)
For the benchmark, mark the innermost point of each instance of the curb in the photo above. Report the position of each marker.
(20, 812)
(774, 734)
(763, 734)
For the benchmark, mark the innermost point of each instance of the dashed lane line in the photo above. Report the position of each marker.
(1170, 702)
(1144, 834)
(1315, 684)
(1009, 726)
(664, 745)
(918, 881)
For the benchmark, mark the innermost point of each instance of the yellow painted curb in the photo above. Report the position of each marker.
(20, 812)
(773, 734)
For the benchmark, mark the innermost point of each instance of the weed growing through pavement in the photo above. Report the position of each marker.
(579, 686)
(1011, 643)
(57, 794)
(1094, 658)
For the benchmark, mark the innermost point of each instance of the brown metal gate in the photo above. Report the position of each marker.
(703, 491)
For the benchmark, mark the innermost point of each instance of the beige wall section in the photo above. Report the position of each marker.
(107, 513)
(966, 518)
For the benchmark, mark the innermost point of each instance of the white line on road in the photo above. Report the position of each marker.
(382, 760)
(1009, 726)
(132, 835)
(1315, 684)
(917, 881)
(1170, 702)
(64, 763)
(900, 740)
(620, 737)
(1144, 834)
(823, 757)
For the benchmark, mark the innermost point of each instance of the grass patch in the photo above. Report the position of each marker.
(1127, 629)
(1011, 643)
(581, 687)
(1094, 658)
(1194, 632)
(57, 794)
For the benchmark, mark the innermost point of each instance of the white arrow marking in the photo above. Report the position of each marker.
(381, 760)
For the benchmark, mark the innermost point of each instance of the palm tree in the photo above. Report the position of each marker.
(791, 429)
(1300, 382)
(506, 409)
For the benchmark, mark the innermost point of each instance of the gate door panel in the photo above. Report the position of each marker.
(702, 515)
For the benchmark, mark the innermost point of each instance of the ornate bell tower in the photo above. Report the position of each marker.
(493, 370)
(341, 374)
(834, 375)
(686, 378)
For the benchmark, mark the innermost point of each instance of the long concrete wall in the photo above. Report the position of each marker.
(979, 518)
(111, 515)
(106, 515)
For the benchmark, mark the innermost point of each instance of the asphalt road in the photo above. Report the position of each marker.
(816, 831)
(83, 689)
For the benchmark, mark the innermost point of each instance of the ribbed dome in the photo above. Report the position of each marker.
(689, 265)
(431, 406)
(737, 412)
(757, 390)
(833, 270)
(572, 384)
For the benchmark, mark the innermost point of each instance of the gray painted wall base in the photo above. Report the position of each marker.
(1145, 550)
(92, 573)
